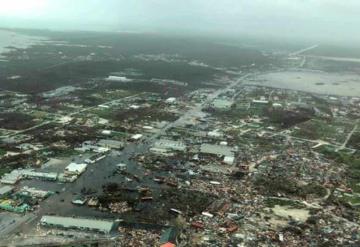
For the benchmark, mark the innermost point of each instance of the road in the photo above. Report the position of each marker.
(299, 52)
(343, 146)
(303, 62)
(102, 172)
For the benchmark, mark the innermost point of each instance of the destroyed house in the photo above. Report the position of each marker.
(218, 150)
(111, 144)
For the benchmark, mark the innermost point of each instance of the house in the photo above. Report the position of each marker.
(259, 102)
(136, 137)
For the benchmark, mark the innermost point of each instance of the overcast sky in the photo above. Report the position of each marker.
(310, 19)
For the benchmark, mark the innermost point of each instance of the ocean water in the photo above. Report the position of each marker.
(10, 39)
(341, 84)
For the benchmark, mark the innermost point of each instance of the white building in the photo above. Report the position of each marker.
(222, 104)
(171, 100)
(170, 145)
(77, 223)
(229, 160)
(215, 133)
(51, 176)
(75, 168)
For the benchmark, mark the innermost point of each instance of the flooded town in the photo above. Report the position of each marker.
(146, 139)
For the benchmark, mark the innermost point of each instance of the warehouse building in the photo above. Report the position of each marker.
(75, 169)
(40, 175)
(17, 175)
(165, 145)
(78, 223)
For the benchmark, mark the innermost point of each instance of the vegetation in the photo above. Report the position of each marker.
(275, 185)
(15, 121)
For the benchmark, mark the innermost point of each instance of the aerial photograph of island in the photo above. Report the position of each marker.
(167, 123)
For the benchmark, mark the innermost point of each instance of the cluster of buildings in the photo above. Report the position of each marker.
(254, 166)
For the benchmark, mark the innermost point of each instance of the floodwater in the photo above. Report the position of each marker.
(13, 39)
(341, 84)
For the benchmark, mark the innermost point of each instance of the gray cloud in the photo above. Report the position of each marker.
(307, 19)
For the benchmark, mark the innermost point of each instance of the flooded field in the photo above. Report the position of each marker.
(342, 84)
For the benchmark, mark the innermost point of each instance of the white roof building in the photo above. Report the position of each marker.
(260, 102)
(222, 104)
(74, 168)
(229, 160)
(106, 132)
(78, 223)
(170, 145)
(16, 175)
(171, 100)
(215, 133)
(136, 137)
(118, 78)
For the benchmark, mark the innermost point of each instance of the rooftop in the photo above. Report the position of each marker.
(79, 223)
(5, 190)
